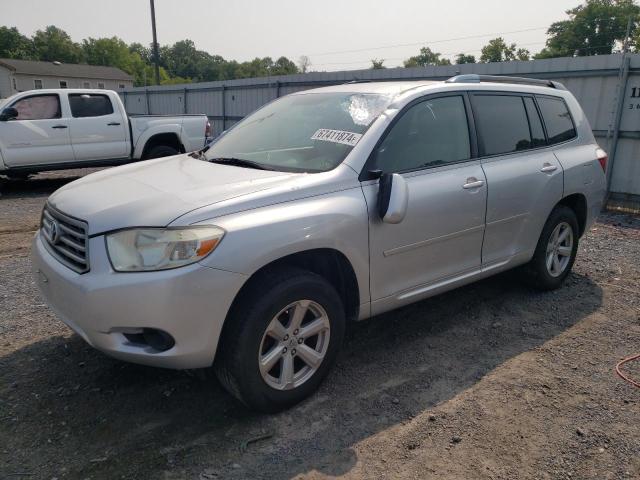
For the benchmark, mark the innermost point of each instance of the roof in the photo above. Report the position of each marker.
(385, 88)
(67, 70)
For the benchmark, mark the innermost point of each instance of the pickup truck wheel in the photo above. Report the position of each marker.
(556, 250)
(161, 151)
(282, 340)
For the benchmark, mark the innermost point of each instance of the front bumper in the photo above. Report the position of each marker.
(189, 303)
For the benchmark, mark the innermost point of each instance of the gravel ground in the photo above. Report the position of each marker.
(490, 381)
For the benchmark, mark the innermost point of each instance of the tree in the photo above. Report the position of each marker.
(15, 45)
(497, 51)
(53, 44)
(108, 51)
(426, 57)
(523, 55)
(304, 63)
(283, 66)
(593, 28)
(141, 50)
(377, 64)
(462, 58)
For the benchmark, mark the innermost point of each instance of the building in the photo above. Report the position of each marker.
(20, 75)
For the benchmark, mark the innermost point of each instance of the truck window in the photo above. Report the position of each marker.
(38, 107)
(90, 105)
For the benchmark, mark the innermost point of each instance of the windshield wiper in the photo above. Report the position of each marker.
(239, 162)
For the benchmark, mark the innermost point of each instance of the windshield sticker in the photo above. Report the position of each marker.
(337, 136)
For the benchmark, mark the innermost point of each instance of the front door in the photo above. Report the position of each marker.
(39, 135)
(441, 235)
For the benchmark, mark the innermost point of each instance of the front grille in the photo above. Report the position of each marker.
(66, 238)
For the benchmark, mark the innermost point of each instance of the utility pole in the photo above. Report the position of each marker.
(156, 55)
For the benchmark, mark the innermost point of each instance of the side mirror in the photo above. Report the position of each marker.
(393, 198)
(9, 113)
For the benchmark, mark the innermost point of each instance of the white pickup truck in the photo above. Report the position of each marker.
(70, 128)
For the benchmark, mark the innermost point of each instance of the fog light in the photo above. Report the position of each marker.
(158, 339)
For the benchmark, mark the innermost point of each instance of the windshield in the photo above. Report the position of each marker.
(301, 133)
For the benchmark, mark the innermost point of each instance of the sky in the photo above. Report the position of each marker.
(334, 34)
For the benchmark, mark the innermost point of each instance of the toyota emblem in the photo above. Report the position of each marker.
(54, 231)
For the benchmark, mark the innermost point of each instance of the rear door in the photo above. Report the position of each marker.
(40, 133)
(98, 131)
(524, 178)
(441, 236)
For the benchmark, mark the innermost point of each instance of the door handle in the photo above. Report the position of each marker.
(548, 168)
(59, 126)
(113, 124)
(473, 182)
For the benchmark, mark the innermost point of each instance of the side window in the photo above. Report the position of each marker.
(86, 84)
(37, 84)
(502, 123)
(63, 84)
(38, 107)
(431, 133)
(557, 119)
(85, 105)
(535, 125)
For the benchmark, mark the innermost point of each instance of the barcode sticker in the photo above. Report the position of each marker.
(337, 136)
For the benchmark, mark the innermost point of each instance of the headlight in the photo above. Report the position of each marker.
(146, 249)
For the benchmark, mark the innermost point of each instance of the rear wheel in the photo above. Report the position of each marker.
(161, 151)
(556, 250)
(281, 339)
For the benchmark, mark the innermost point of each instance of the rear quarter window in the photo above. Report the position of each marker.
(557, 119)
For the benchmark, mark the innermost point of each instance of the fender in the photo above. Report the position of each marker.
(146, 135)
(337, 220)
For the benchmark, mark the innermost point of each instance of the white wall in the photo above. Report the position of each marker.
(5, 82)
(25, 82)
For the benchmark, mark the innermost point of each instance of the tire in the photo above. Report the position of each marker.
(161, 151)
(537, 273)
(245, 339)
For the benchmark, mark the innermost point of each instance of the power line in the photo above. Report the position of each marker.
(425, 42)
(456, 53)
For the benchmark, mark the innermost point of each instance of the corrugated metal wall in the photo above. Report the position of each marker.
(593, 80)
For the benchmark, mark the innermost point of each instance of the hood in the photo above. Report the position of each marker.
(155, 192)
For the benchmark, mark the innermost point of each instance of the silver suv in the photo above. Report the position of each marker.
(322, 208)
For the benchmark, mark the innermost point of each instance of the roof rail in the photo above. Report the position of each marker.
(475, 78)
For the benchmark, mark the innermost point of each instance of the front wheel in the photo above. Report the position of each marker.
(281, 339)
(556, 250)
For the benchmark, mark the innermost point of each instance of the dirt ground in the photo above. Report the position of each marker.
(490, 381)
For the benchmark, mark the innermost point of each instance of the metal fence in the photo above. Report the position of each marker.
(607, 86)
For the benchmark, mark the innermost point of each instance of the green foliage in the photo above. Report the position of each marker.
(497, 50)
(181, 62)
(15, 45)
(53, 44)
(426, 57)
(462, 58)
(594, 28)
(377, 64)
